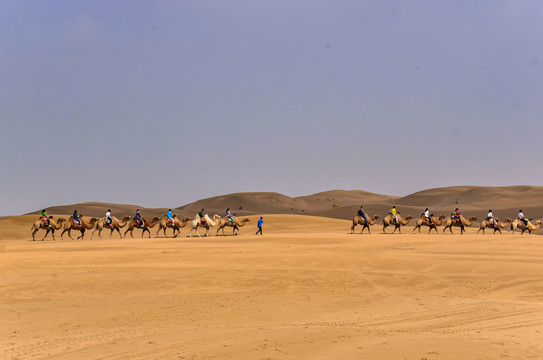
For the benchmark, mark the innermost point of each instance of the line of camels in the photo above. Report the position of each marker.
(98, 224)
(449, 223)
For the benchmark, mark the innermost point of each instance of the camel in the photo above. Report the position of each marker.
(423, 221)
(226, 222)
(133, 224)
(71, 225)
(463, 223)
(209, 222)
(40, 224)
(517, 224)
(388, 220)
(499, 225)
(115, 225)
(176, 225)
(359, 220)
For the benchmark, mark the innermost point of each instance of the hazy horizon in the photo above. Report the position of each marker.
(163, 103)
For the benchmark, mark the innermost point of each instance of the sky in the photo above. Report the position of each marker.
(162, 103)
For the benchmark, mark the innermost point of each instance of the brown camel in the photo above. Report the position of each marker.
(423, 221)
(53, 225)
(518, 224)
(486, 223)
(133, 224)
(209, 222)
(115, 225)
(359, 220)
(462, 224)
(389, 220)
(71, 225)
(236, 225)
(176, 225)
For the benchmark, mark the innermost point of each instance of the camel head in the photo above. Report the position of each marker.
(375, 217)
(441, 217)
(61, 220)
(508, 220)
(473, 218)
(126, 218)
(186, 219)
(156, 218)
(408, 217)
(539, 222)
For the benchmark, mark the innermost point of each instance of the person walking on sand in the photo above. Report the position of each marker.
(260, 222)
(362, 214)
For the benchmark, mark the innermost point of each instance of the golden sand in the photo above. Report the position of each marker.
(307, 289)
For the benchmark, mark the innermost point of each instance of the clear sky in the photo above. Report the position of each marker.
(161, 103)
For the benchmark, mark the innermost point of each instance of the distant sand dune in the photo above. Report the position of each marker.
(343, 204)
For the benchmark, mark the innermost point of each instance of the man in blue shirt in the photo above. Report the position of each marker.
(260, 222)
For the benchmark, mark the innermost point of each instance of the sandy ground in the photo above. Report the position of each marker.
(307, 289)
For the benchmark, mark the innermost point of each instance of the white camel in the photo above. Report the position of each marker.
(209, 222)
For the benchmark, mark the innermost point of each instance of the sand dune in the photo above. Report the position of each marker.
(342, 204)
(307, 289)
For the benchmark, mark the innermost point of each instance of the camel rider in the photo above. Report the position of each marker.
(428, 216)
(456, 216)
(521, 218)
(394, 214)
(170, 216)
(362, 214)
(491, 218)
(109, 220)
(76, 218)
(44, 218)
(138, 218)
(229, 216)
(202, 217)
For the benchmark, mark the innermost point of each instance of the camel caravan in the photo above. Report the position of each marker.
(108, 222)
(202, 220)
(455, 220)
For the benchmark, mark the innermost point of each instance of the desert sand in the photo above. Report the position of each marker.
(306, 289)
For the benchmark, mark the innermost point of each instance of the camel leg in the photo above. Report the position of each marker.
(207, 230)
(352, 228)
(119, 231)
(46, 232)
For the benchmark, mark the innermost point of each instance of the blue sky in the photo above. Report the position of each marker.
(162, 103)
